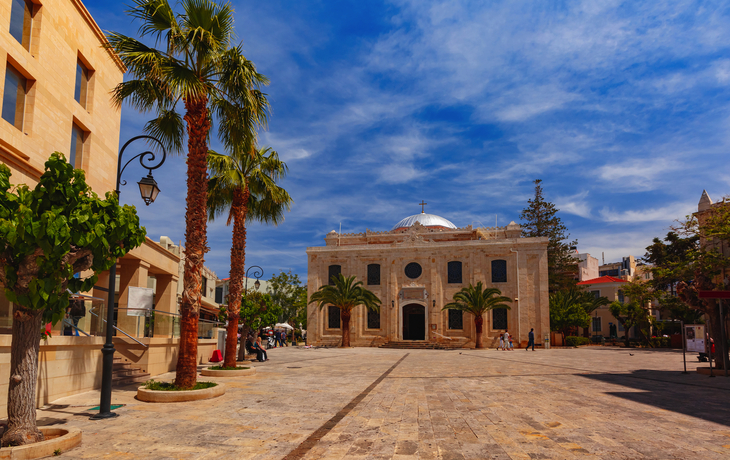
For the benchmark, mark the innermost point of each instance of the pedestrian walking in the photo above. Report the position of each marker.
(511, 346)
(531, 339)
(506, 339)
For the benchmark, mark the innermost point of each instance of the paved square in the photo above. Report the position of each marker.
(365, 403)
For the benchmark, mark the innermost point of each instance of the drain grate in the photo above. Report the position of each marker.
(293, 367)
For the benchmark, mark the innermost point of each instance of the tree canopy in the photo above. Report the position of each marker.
(478, 300)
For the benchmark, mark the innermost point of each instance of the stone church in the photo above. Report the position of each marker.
(415, 269)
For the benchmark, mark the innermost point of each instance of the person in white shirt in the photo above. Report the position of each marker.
(506, 339)
(501, 343)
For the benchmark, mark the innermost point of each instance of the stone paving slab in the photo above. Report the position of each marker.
(585, 403)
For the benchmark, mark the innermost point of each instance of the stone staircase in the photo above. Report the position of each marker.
(123, 373)
(415, 345)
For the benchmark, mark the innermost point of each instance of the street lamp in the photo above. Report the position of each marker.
(258, 274)
(149, 191)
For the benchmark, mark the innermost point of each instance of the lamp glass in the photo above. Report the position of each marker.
(148, 189)
(257, 284)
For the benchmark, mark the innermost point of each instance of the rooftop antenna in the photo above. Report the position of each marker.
(423, 206)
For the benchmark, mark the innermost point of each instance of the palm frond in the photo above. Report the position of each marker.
(169, 128)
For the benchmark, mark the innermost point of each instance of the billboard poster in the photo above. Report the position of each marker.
(695, 336)
(140, 301)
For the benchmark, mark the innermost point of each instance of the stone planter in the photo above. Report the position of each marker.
(180, 396)
(233, 373)
(63, 439)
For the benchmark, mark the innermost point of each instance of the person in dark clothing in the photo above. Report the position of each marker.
(254, 344)
(531, 340)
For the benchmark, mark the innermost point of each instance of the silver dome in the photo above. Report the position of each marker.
(427, 220)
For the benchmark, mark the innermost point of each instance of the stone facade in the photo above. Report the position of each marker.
(449, 259)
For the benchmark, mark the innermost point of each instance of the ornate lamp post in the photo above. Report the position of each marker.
(149, 191)
(258, 273)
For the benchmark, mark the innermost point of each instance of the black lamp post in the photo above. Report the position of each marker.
(149, 191)
(258, 273)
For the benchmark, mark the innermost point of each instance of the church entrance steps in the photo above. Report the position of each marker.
(415, 345)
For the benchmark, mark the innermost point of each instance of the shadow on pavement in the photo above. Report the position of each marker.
(688, 394)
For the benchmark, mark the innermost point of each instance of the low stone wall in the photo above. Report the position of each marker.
(72, 365)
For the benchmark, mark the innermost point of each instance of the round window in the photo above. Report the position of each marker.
(413, 270)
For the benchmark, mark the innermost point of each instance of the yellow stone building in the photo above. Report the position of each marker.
(416, 268)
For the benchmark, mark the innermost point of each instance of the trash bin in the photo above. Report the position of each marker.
(547, 342)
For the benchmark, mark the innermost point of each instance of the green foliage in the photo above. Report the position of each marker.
(57, 452)
(540, 219)
(288, 294)
(568, 310)
(574, 341)
(660, 342)
(55, 230)
(478, 300)
(258, 310)
(631, 314)
(345, 294)
(169, 386)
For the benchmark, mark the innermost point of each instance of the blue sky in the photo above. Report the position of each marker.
(621, 108)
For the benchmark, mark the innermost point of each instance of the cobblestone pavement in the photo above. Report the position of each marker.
(365, 403)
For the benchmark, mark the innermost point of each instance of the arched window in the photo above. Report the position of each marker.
(334, 270)
(454, 272)
(374, 275)
(499, 318)
(499, 272)
(333, 317)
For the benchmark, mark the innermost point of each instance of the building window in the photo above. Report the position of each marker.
(596, 294)
(499, 318)
(499, 273)
(219, 294)
(374, 276)
(373, 319)
(14, 92)
(78, 137)
(454, 272)
(621, 296)
(596, 324)
(333, 271)
(21, 21)
(333, 317)
(82, 83)
(413, 270)
(203, 286)
(456, 319)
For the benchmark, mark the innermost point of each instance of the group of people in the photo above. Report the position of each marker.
(280, 339)
(505, 341)
(254, 344)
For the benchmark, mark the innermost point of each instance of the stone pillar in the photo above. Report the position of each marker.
(133, 274)
(165, 301)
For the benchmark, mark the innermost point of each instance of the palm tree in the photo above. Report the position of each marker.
(345, 294)
(245, 187)
(199, 68)
(592, 303)
(478, 300)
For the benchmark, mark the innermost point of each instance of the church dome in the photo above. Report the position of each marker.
(427, 220)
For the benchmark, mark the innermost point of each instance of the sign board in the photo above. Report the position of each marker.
(695, 336)
(418, 293)
(713, 294)
(139, 301)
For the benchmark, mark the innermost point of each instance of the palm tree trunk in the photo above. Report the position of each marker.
(26, 343)
(345, 328)
(239, 209)
(478, 323)
(196, 224)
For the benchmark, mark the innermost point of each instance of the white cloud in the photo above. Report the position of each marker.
(667, 214)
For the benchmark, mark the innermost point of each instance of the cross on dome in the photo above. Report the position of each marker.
(422, 204)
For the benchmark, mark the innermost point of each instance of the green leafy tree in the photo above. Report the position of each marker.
(198, 68)
(540, 219)
(257, 311)
(345, 294)
(631, 314)
(287, 292)
(243, 186)
(478, 300)
(568, 311)
(590, 304)
(47, 234)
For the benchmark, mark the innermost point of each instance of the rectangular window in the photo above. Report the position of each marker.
(77, 146)
(203, 286)
(456, 319)
(499, 272)
(333, 271)
(596, 324)
(621, 296)
(374, 275)
(219, 294)
(82, 83)
(14, 93)
(499, 318)
(373, 319)
(21, 21)
(620, 327)
(454, 272)
(333, 317)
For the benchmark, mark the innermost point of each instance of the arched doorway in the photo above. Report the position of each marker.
(414, 322)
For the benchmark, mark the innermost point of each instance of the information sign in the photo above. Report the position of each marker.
(695, 336)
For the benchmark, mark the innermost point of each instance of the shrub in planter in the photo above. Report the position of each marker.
(573, 341)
